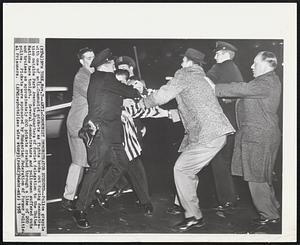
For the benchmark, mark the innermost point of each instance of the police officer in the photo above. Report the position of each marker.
(105, 98)
(225, 71)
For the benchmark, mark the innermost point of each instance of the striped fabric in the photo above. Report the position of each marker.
(130, 111)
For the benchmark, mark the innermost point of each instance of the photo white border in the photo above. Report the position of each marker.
(159, 20)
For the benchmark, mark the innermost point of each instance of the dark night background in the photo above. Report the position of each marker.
(158, 58)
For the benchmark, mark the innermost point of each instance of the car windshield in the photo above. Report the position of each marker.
(57, 96)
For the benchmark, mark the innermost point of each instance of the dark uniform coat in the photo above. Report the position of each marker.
(226, 72)
(105, 98)
(258, 137)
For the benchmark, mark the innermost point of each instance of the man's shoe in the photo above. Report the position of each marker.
(67, 204)
(148, 209)
(79, 217)
(175, 209)
(224, 207)
(93, 204)
(265, 221)
(101, 199)
(189, 223)
(117, 193)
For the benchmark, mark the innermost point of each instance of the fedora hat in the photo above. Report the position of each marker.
(194, 55)
(125, 60)
(101, 57)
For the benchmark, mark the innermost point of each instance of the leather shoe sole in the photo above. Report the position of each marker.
(188, 224)
(266, 221)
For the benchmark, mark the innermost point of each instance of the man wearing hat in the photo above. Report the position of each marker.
(258, 137)
(77, 113)
(205, 126)
(225, 71)
(105, 98)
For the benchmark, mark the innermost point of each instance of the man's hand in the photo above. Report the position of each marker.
(163, 112)
(141, 104)
(128, 102)
(174, 115)
(88, 132)
(93, 127)
(138, 85)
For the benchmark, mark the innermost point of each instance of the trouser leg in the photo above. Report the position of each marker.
(76, 169)
(186, 168)
(118, 167)
(138, 178)
(122, 183)
(96, 155)
(221, 168)
(264, 199)
(274, 199)
(74, 177)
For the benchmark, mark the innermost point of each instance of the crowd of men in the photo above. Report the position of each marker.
(229, 122)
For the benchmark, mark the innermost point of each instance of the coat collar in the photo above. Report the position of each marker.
(84, 70)
(270, 73)
(194, 68)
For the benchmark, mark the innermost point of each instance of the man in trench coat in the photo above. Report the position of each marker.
(258, 137)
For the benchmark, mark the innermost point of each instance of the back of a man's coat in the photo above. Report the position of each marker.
(201, 114)
(105, 99)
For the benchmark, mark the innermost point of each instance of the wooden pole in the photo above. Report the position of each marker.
(137, 62)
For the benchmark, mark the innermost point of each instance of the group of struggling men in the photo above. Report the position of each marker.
(104, 131)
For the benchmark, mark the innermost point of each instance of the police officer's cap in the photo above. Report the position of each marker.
(220, 45)
(125, 60)
(102, 57)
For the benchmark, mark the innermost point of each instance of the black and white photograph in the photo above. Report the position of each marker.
(193, 145)
(138, 136)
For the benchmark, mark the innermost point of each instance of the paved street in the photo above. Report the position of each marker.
(124, 215)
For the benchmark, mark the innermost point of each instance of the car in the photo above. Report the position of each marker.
(58, 103)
